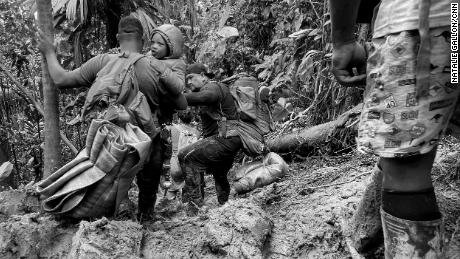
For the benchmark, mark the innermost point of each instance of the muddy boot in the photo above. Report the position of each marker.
(222, 187)
(174, 192)
(412, 239)
(171, 202)
(365, 228)
(193, 191)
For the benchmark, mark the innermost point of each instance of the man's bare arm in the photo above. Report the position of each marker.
(343, 19)
(347, 53)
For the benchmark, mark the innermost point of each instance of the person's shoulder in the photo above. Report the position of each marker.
(104, 56)
(174, 62)
(102, 59)
(144, 60)
(213, 86)
(94, 64)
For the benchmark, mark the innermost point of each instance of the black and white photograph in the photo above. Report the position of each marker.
(258, 129)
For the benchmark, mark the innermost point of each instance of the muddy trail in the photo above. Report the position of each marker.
(302, 215)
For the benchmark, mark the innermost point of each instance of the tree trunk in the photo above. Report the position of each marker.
(365, 226)
(303, 141)
(193, 16)
(113, 14)
(52, 152)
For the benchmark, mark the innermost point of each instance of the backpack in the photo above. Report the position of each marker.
(115, 96)
(246, 93)
(255, 119)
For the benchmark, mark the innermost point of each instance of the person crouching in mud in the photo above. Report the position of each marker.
(215, 153)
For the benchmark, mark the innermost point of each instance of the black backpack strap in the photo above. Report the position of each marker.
(219, 85)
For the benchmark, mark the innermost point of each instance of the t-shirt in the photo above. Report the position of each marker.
(402, 15)
(147, 77)
(215, 100)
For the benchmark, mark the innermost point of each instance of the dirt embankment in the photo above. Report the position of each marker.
(300, 216)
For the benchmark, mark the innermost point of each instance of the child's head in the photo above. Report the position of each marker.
(167, 42)
(159, 47)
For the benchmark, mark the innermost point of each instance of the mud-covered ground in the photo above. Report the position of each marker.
(300, 216)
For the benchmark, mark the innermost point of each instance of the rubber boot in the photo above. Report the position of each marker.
(174, 192)
(412, 239)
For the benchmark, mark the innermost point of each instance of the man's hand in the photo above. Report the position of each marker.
(45, 44)
(346, 57)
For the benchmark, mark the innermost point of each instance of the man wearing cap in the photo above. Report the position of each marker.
(130, 33)
(215, 153)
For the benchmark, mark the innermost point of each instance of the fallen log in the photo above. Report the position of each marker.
(303, 141)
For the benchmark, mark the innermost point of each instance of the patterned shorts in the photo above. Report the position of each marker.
(394, 123)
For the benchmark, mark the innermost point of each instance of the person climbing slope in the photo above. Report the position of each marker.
(216, 151)
(130, 36)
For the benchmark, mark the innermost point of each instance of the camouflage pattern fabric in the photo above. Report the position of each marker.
(394, 122)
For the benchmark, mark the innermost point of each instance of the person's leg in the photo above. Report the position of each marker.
(403, 127)
(407, 187)
(209, 154)
(166, 147)
(148, 180)
(221, 183)
(193, 164)
(229, 148)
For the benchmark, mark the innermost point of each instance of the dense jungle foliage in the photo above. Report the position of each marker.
(284, 43)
